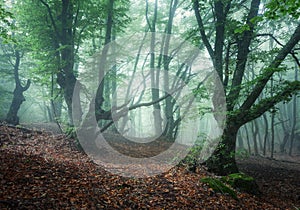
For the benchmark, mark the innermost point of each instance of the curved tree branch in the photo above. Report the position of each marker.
(242, 56)
(147, 17)
(202, 31)
(269, 71)
(266, 104)
(108, 114)
(273, 37)
(27, 85)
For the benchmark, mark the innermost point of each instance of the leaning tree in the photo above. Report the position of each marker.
(230, 37)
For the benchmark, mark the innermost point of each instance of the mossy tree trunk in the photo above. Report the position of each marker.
(222, 161)
(242, 106)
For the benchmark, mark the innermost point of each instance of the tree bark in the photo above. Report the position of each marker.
(294, 120)
(154, 73)
(103, 61)
(222, 161)
(18, 97)
(266, 134)
(169, 108)
(64, 30)
(255, 132)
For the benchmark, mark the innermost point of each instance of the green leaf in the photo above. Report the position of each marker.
(242, 29)
(218, 186)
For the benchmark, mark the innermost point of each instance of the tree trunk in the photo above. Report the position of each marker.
(222, 162)
(285, 140)
(154, 72)
(294, 120)
(103, 62)
(255, 132)
(64, 43)
(169, 108)
(272, 134)
(247, 138)
(266, 134)
(18, 97)
(240, 141)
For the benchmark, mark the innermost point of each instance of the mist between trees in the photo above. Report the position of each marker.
(244, 93)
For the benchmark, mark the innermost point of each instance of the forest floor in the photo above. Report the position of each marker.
(43, 171)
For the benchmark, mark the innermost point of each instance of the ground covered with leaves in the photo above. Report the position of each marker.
(43, 171)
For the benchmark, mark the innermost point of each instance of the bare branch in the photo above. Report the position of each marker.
(123, 112)
(296, 59)
(273, 37)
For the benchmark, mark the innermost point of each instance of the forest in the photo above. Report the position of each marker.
(149, 104)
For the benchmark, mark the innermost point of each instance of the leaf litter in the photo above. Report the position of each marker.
(44, 171)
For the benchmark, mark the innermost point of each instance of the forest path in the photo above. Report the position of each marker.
(275, 177)
(42, 171)
(49, 127)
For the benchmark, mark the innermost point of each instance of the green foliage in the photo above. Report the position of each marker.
(256, 20)
(227, 184)
(5, 23)
(230, 179)
(280, 8)
(193, 36)
(241, 153)
(218, 186)
(70, 131)
(242, 29)
(192, 160)
(284, 92)
(242, 182)
(121, 18)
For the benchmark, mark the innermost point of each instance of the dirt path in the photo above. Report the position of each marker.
(51, 128)
(42, 171)
(276, 178)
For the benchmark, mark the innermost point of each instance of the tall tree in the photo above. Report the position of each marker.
(295, 114)
(103, 61)
(13, 53)
(56, 30)
(18, 96)
(155, 72)
(242, 104)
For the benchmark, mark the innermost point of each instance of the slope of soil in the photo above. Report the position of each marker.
(276, 178)
(42, 171)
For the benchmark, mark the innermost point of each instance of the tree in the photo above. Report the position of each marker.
(242, 103)
(56, 30)
(18, 96)
(103, 61)
(159, 64)
(13, 53)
